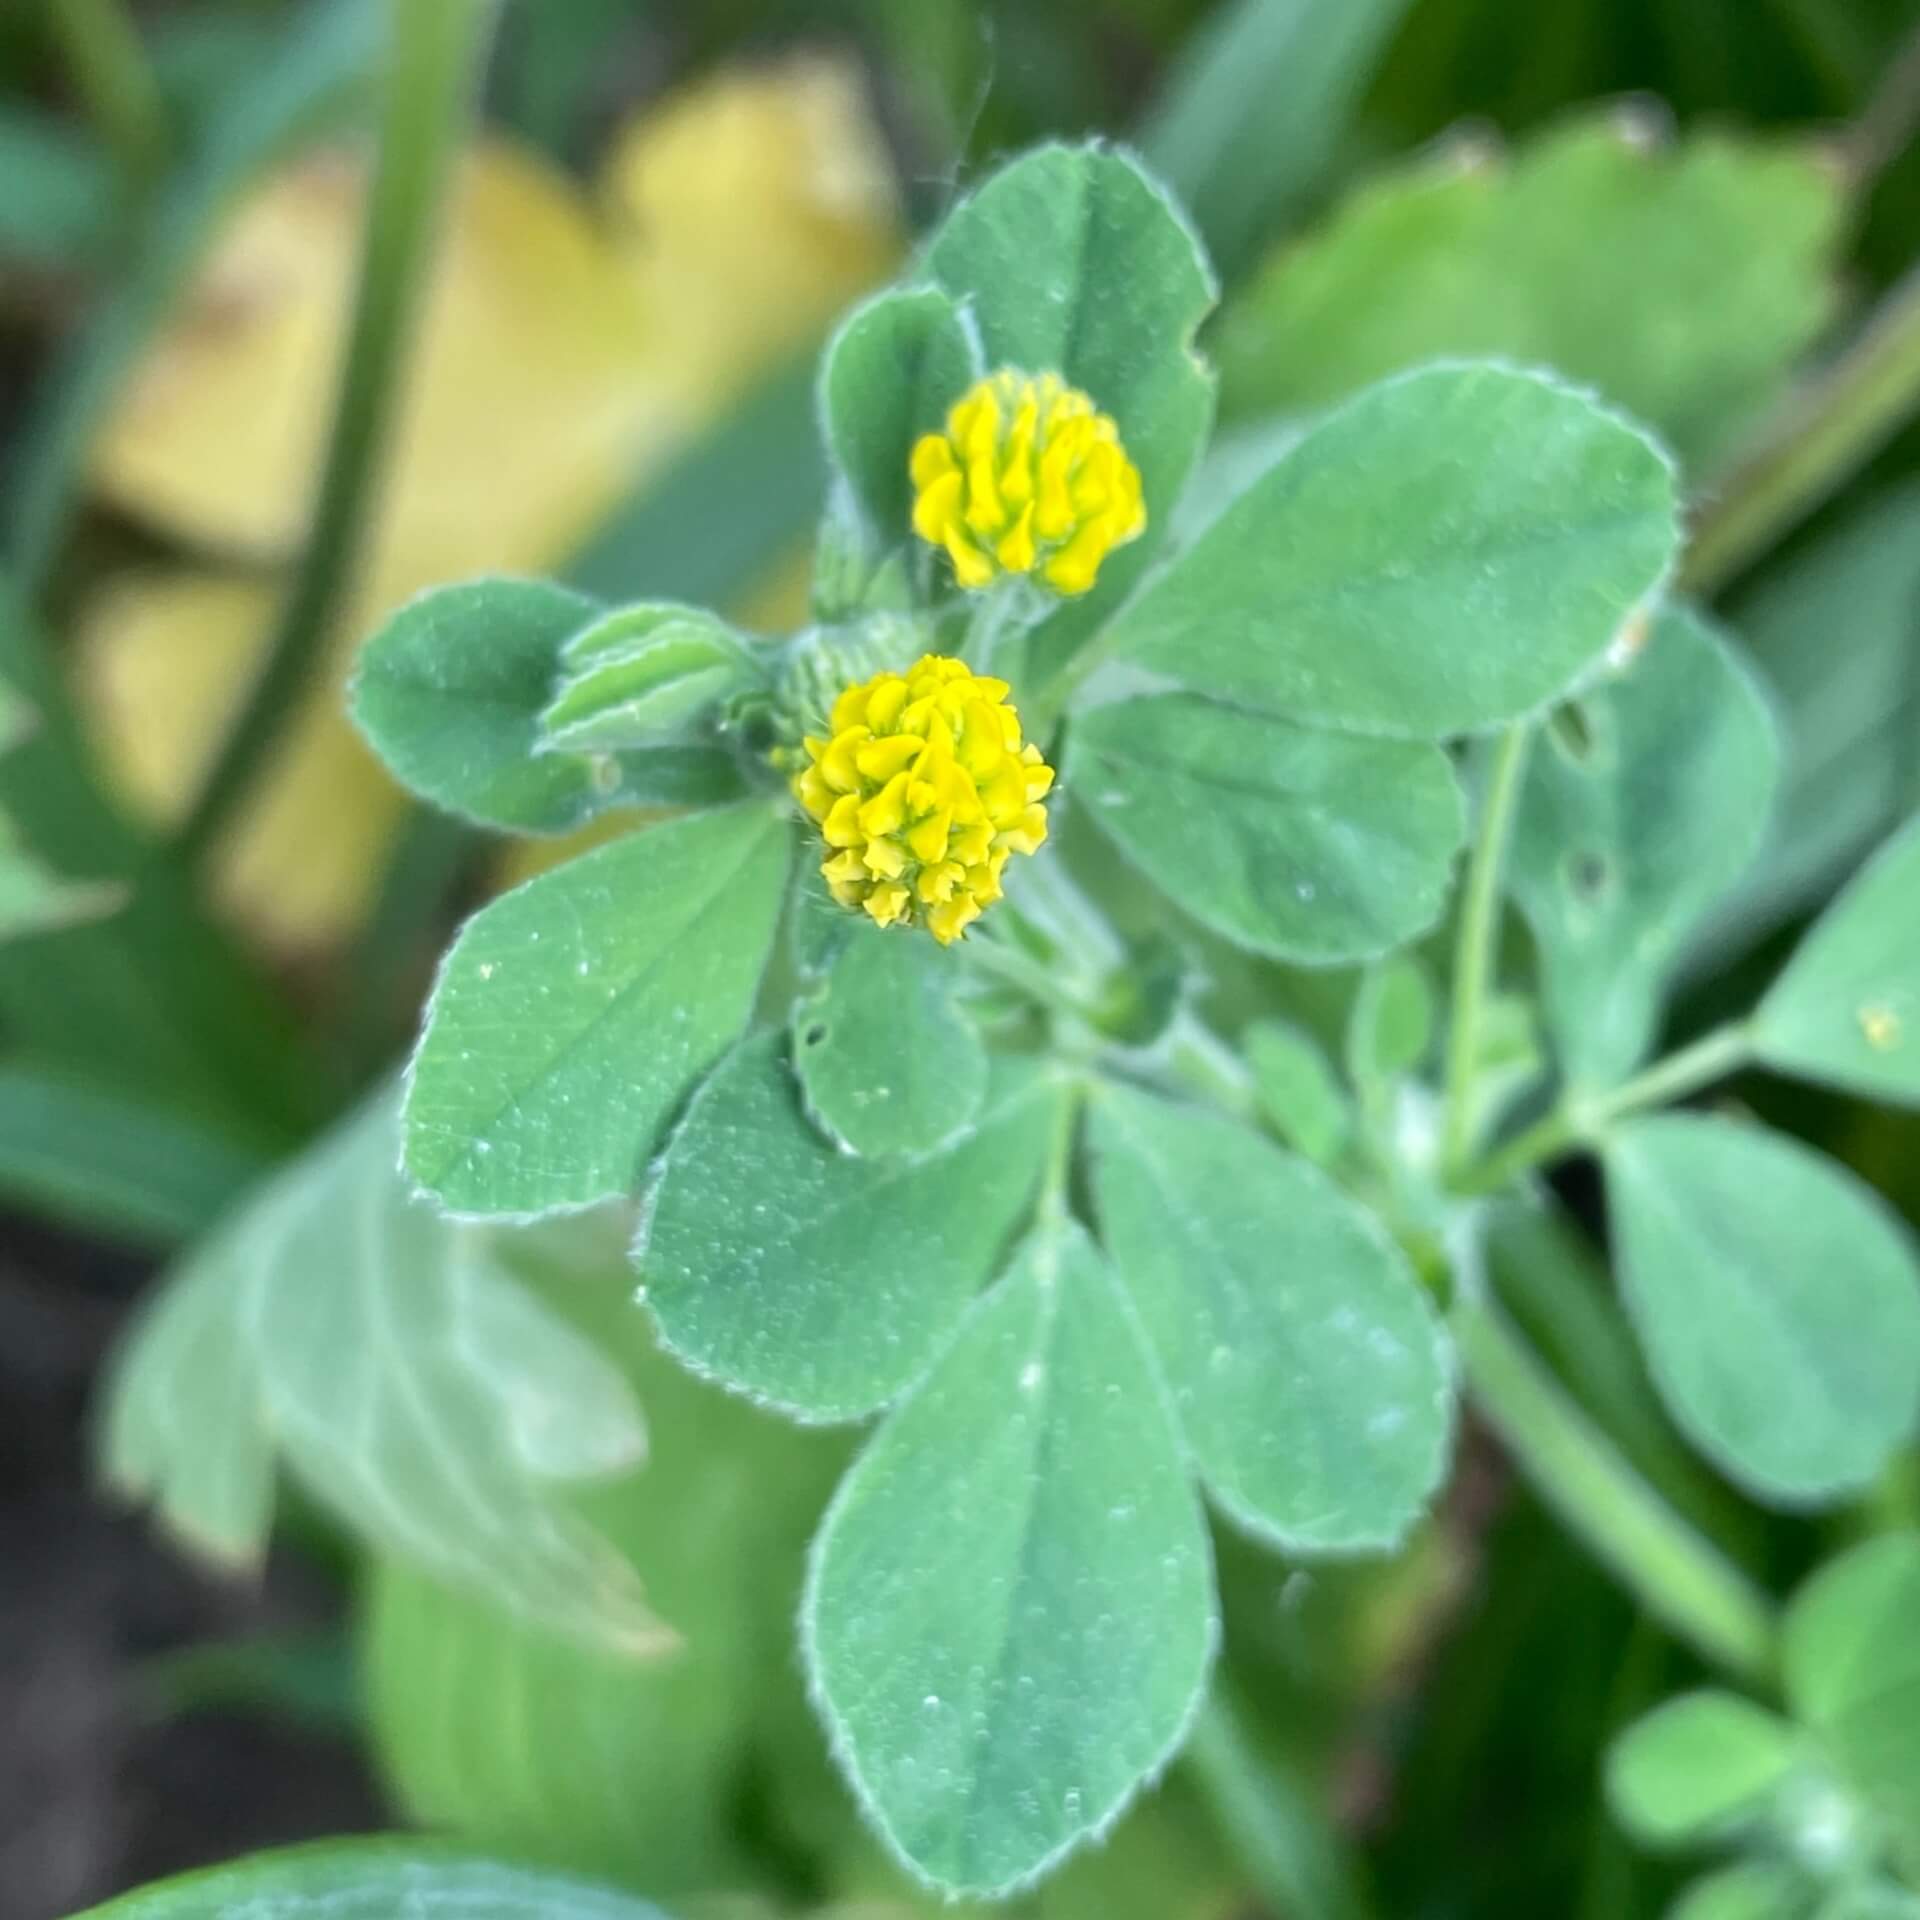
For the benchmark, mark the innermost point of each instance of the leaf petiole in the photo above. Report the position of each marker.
(1473, 949)
(1578, 1121)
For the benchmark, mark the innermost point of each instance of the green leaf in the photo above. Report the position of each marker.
(1880, 1901)
(887, 1062)
(1684, 281)
(1254, 108)
(499, 1732)
(373, 1880)
(1305, 1363)
(34, 899)
(1444, 554)
(1696, 1766)
(154, 1000)
(1312, 847)
(1642, 806)
(115, 1163)
(1777, 1298)
(643, 676)
(1298, 1094)
(450, 693)
(1852, 721)
(1390, 1028)
(890, 374)
(1847, 1008)
(1852, 1668)
(1747, 1890)
(572, 1015)
(842, 1278)
(402, 1373)
(303, 1680)
(1073, 261)
(1009, 1614)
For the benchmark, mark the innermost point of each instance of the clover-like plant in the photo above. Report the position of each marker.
(990, 1102)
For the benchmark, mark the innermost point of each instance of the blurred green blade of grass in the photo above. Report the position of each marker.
(110, 1162)
(306, 1681)
(1253, 112)
(1836, 632)
(319, 74)
(58, 208)
(153, 998)
(707, 529)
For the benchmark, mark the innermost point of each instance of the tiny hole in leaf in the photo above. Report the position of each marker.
(814, 1034)
(1574, 728)
(1589, 874)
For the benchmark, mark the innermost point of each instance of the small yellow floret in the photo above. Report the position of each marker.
(921, 793)
(1027, 478)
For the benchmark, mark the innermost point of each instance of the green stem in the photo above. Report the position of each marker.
(1285, 1843)
(1197, 1059)
(1052, 1206)
(434, 50)
(1577, 1122)
(1836, 424)
(1574, 1467)
(1027, 975)
(112, 74)
(1473, 948)
(1887, 124)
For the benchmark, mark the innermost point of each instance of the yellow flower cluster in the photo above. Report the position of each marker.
(1027, 478)
(922, 792)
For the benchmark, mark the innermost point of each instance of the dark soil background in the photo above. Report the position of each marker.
(98, 1790)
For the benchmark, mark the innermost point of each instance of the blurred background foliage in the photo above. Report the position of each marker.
(1697, 205)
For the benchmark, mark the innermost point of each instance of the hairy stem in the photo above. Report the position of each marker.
(1833, 427)
(433, 54)
(1473, 946)
(1573, 1466)
(1285, 1843)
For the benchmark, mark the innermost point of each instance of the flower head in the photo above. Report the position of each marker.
(922, 792)
(1027, 478)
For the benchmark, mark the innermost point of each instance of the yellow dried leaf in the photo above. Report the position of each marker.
(749, 209)
(530, 394)
(162, 661)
